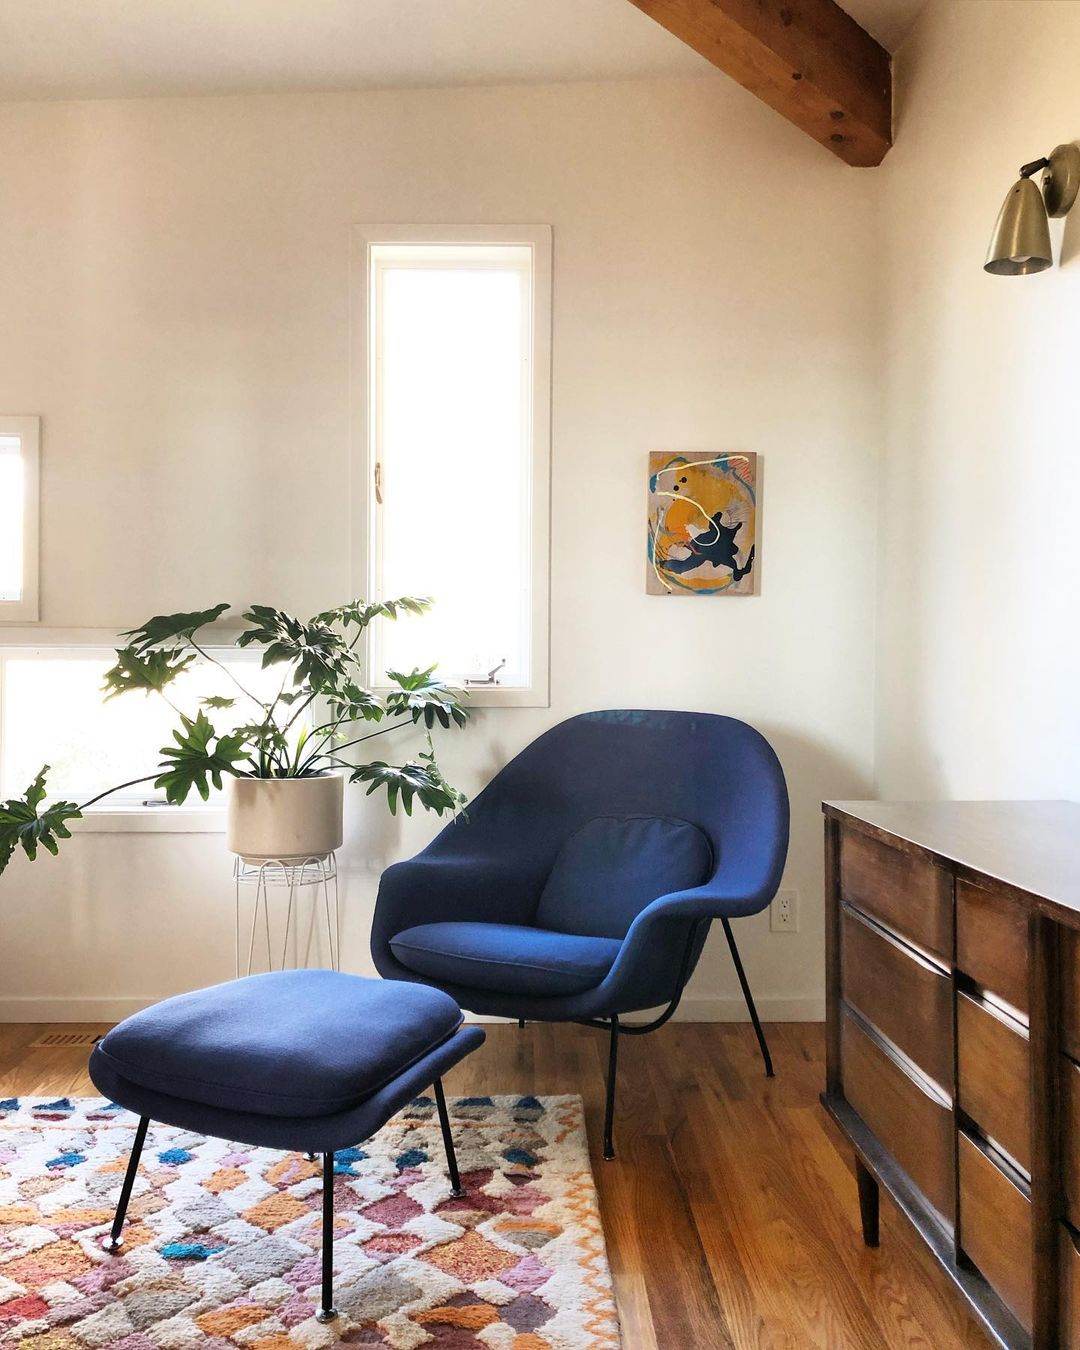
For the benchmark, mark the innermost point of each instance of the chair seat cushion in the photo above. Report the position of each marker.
(613, 866)
(506, 958)
(290, 1043)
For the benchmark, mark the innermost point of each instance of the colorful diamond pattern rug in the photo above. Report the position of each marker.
(222, 1244)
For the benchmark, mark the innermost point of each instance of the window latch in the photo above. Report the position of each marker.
(490, 678)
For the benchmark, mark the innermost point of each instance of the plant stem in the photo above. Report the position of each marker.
(301, 709)
(119, 788)
(221, 665)
(320, 752)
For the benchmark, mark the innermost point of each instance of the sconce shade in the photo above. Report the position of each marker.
(1021, 240)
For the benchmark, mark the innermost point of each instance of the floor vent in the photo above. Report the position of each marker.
(66, 1040)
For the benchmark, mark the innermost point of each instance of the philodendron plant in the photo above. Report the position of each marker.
(303, 731)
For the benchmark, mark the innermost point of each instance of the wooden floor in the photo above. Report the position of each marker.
(730, 1214)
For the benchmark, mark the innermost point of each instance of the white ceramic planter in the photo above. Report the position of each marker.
(286, 818)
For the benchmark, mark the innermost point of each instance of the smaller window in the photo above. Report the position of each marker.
(19, 519)
(52, 711)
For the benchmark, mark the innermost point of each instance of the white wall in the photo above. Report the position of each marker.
(174, 302)
(979, 659)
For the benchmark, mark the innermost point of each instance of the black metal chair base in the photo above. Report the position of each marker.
(613, 1027)
(609, 1103)
(115, 1241)
(327, 1312)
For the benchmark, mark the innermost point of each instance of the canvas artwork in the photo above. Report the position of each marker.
(702, 524)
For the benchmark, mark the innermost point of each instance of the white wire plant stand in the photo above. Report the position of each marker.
(296, 876)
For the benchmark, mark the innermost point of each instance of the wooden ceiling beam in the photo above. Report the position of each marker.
(808, 59)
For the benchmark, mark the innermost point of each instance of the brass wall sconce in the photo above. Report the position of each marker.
(1021, 239)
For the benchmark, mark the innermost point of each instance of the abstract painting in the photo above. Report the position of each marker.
(702, 524)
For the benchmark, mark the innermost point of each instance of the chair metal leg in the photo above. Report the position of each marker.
(456, 1189)
(114, 1241)
(327, 1312)
(521, 1024)
(749, 998)
(609, 1106)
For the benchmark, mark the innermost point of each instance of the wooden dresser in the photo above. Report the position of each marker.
(953, 954)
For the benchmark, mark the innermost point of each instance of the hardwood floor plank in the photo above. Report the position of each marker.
(730, 1213)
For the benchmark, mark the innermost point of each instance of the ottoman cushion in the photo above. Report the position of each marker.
(295, 1043)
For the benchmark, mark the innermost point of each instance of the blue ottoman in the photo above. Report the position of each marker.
(310, 1060)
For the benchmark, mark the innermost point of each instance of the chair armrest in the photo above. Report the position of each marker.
(656, 940)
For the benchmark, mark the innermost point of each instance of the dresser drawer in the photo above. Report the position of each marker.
(904, 1113)
(1069, 944)
(1069, 1279)
(908, 893)
(1070, 1139)
(995, 1228)
(907, 998)
(994, 1063)
(992, 942)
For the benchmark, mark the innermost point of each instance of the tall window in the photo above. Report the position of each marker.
(456, 368)
(18, 519)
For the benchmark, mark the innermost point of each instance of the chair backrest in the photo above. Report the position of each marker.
(716, 774)
(613, 866)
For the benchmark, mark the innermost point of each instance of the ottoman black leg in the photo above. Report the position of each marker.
(327, 1313)
(114, 1241)
(448, 1142)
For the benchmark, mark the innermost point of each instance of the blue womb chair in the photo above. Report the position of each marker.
(582, 882)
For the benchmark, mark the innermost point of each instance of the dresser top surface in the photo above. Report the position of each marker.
(1032, 846)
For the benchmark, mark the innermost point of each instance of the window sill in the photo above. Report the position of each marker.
(152, 820)
(496, 696)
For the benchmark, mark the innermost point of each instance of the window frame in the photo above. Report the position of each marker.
(28, 430)
(363, 541)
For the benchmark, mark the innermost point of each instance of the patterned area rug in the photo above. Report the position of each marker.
(222, 1244)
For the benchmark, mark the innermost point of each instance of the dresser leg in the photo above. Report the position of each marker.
(869, 1198)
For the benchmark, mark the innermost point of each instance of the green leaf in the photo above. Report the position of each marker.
(420, 779)
(167, 627)
(320, 657)
(264, 735)
(23, 823)
(353, 703)
(193, 763)
(150, 671)
(424, 698)
(358, 613)
(217, 701)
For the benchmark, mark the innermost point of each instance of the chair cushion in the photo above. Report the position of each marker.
(505, 957)
(613, 866)
(289, 1043)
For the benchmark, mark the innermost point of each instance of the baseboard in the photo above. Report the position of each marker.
(70, 1009)
(692, 1009)
(701, 1008)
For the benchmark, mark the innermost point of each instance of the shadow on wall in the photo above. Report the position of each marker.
(814, 774)
(1070, 238)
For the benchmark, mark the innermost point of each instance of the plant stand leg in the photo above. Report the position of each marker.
(869, 1203)
(327, 1312)
(114, 1241)
(609, 1106)
(448, 1141)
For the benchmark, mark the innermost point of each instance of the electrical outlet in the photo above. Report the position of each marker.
(784, 912)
